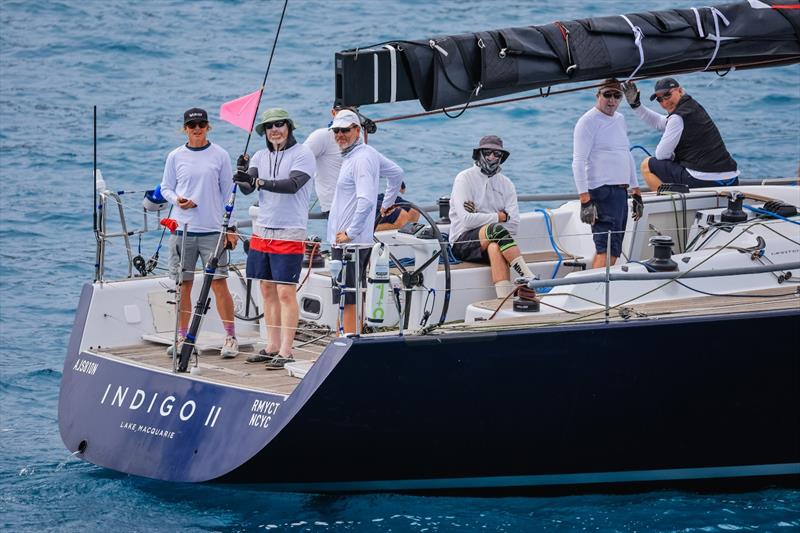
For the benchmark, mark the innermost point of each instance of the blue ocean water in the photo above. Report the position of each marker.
(142, 64)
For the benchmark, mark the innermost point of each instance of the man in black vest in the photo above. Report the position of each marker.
(691, 150)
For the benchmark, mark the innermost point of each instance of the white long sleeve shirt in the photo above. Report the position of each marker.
(672, 126)
(601, 152)
(356, 196)
(329, 162)
(490, 196)
(204, 176)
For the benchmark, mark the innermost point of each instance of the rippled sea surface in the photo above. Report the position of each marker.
(142, 64)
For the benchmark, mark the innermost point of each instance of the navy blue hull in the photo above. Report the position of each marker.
(573, 405)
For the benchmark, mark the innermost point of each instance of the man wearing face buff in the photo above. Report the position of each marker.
(603, 169)
(281, 173)
(484, 216)
(352, 216)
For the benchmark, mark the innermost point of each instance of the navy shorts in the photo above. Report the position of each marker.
(391, 218)
(612, 215)
(350, 273)
(669, 171)
(467, 247)
(276, 259)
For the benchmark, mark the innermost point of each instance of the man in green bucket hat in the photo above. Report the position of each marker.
(282, 174)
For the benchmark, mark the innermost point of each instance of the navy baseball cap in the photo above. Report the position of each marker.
(664, 85)
(195, 114)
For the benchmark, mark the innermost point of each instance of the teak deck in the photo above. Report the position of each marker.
(238, 373)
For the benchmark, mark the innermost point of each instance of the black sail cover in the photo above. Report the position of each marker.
(452, 70)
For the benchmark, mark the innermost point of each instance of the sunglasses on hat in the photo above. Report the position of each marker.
(342, 130)
(192, 125)
(612, 94)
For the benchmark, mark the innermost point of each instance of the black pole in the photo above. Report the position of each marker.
(203, 300)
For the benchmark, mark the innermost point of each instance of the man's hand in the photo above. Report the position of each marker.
(342, 238)
(588, 212)
(631, 94)
(502, 216)
(387, 210)
(185, 203)
(637, 206)
(230, 239)
(245, 181)
(243, 162)
(469, 206)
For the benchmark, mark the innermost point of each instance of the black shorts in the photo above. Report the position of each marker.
(349, 270)
(467, 247)
(671, 172)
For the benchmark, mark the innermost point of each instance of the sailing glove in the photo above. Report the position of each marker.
(469, 206)
(637, 206)
(243, 162)
(588, 213)
(245, 181)
(631, 94)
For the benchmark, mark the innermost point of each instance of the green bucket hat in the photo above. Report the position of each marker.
(273, 115)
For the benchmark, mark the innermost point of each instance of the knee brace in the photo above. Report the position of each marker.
(498, 233)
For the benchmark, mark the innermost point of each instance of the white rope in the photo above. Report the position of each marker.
(716, 15)
(638, 35)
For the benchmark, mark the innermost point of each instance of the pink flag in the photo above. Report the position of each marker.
(242, 111)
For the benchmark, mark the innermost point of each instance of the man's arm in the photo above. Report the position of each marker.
(366, 181)
(669, 140)
(290, 185)
(394, 178)
(582, 142)
(169, 182)
(458, 197)
(511, 208)
(651, 118)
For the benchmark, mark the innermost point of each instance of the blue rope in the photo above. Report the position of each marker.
(545, 290)
(642, 148)
(770, 213)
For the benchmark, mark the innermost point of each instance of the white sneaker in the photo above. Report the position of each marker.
(171, 347)
(230, 348)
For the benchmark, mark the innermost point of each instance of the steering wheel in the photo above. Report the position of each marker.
(413, 278)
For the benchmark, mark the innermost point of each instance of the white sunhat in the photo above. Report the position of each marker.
(344, 119)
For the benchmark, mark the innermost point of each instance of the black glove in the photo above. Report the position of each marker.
(243, 162)
(631, 94)
(637, 206)
(245, 181)
(469, 206)
(588, 213)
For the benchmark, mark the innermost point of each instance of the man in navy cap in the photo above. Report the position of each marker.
(691, 150)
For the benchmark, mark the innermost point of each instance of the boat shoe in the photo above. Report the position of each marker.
(230, 349)
(262, 357)
(278, 362)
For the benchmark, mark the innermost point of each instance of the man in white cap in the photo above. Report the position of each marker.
(352, 215)
(691, 150)
(282, 174)
(197, 180)
(484, 216)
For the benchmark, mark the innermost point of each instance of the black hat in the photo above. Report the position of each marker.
(195, 114)
(492, 142)
(662, 85)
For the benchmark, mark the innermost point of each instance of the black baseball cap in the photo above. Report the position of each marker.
(195, 114)
(663, 85)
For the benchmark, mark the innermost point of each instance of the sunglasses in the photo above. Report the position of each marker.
(276, 124)
(663, 97)
(342, 130)
(497, 153)
(193, 125)
(612, 94)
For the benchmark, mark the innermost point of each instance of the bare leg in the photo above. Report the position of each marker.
(349, 318)
(186, 305)
(498, 263)
(652, 180)
(600, 260)
(224, 300)
(272, 317)
(290, 314)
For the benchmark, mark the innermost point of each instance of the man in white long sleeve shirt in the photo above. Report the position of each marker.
(352, 215)
(329, 161)
(197, 180)
(691, 150)
(484, 216)
(603, 169)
